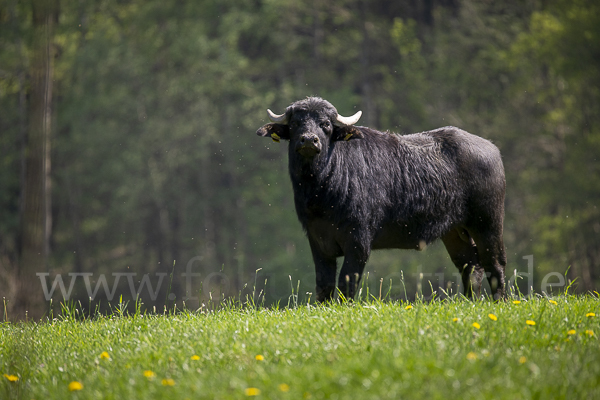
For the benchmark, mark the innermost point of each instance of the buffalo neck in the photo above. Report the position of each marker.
(311, 182)
(308, 171)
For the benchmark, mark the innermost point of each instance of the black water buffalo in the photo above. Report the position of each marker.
(358, 189)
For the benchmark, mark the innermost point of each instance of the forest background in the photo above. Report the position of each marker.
(128, 153)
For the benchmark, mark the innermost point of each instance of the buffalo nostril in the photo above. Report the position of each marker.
(315, 140)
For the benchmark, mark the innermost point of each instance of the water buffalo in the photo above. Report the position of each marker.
(358, 189)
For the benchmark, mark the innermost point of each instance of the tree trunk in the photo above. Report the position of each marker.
(368, 105)
(36, 221)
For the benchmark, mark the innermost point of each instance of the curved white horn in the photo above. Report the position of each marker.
(279, 119)
(347, 121)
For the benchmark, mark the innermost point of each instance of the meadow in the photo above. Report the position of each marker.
(531, 348)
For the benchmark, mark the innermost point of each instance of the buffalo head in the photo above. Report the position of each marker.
(310, 125)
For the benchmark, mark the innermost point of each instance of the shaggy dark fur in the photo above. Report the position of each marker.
(358, 189)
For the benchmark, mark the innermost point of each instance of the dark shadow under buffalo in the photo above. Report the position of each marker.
(358, 189)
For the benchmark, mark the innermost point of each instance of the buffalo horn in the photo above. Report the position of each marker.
(278, 119)
(347, 121)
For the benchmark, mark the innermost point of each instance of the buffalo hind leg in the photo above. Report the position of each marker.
(463, 253)
(492, 257)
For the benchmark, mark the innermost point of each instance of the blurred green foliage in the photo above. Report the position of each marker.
(156, 103)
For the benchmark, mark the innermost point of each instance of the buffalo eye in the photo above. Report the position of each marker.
(326, 125)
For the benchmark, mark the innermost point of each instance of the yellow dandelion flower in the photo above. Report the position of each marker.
(571, 332)
(11, 378)
(552, 302)
(284, 387)
(454, 319)
(195, 357)
(73, 386)
(516, 302)
(476, 325)
(408, 307)
(522, 360)
(590, 315)
(530, 322)
(104, 355)
(493, 317)
(259, 357)
(149, 374)
(168, 382)
(252, 391)
(471, 356)
(589, 332)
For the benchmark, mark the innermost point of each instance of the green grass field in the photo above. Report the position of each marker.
(539, 348)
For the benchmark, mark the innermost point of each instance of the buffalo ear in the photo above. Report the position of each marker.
(346, 133)
(274, 131)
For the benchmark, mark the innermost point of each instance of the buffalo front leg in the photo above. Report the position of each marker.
(325, 269)
(351, 272)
